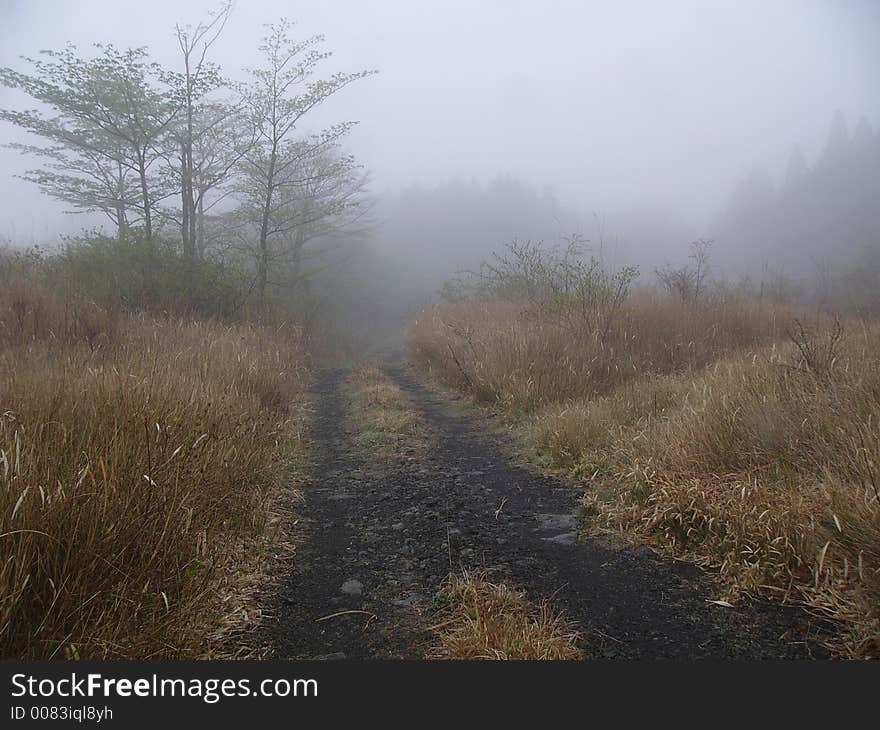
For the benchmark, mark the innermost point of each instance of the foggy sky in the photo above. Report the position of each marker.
(610, 105)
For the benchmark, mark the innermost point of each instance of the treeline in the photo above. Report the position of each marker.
(201, 176)
(818, 228)
(443, 229)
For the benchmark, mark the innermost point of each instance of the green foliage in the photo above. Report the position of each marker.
(20, 263)
(292, 186)
(133, 274)
(154, 150)
(140, 274)
(102, 134)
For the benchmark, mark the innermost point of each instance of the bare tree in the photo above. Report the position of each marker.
(689, 282)
(199, 78)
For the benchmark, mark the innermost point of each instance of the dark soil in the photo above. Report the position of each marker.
(380, 538)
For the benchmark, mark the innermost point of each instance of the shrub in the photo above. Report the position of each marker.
(148, 275)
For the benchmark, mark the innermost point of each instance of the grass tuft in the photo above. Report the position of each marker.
(386, 425)
(485, 620)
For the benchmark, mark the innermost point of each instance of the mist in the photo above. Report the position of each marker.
(372, 329)
(638, 125)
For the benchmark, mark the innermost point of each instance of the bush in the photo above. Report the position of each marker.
(147, 275)
(561, 280)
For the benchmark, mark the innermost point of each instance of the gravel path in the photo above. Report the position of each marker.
(380, 538)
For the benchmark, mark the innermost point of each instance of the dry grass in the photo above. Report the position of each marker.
(137, 457)
(770, 469)
(257, 564)
(521, 358)
(743, 449)
(763, 466)
(485, 620)
(386, 425)
(577, 435)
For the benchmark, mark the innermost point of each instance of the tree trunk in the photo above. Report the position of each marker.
(145, 194)
(263, 262)
(299, 243)
(184, 200)
(200, 228)
(188, 219)
(120, 203)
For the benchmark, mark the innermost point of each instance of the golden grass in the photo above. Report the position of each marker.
(577, 434)
(136, 459)
(486, 620)
(769, 469)
(386, 425)
(740, 450)
(522, 358)
(257, 564)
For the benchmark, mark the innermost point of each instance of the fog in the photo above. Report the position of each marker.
(643, 120)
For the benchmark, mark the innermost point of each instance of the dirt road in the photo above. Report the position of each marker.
(380, 538)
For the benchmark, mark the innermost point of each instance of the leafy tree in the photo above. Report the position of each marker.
(103, 126)
(224, 138)
(323, 197)
(276, 99)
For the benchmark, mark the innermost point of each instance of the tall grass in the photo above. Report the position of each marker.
(521, 357)
(720, 429)
(768, 466)
(136, 453)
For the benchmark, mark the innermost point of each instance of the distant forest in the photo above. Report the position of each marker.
(808, 237)
(822, 218)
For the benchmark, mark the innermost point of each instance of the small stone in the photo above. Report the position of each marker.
(397, 526)
(556, 522)
(352, 587)
(566, 538)
(336, 655)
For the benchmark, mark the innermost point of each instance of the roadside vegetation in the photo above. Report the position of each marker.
(481, 619)
(153, 372)
(142, 459)
(385, 424)
(728, 429)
